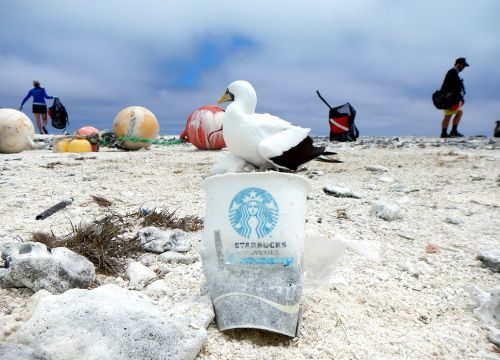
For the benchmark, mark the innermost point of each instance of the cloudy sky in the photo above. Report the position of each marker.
(385, 57)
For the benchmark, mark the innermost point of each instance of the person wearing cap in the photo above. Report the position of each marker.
(39, 105)
(453, 86)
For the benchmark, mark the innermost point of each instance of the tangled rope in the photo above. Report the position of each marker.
(110, 141)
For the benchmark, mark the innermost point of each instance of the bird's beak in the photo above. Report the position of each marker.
(226, 97)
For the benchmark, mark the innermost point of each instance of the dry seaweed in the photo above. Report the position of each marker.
(167, 219)
(53, 164)
(49, 240)
(101, 201)
(102, 242)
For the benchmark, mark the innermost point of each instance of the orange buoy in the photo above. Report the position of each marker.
(204, 128)
(85, 133)
(136, 122)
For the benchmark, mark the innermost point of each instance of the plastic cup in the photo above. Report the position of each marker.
(252, 249)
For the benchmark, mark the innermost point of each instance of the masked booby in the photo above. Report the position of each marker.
(263, 140)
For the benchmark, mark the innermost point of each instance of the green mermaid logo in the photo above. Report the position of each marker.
(253, 212)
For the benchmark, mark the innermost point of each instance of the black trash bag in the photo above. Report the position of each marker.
(444, 100)
(58, 114)
(341, 120)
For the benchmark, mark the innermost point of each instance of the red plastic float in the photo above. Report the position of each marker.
(204, 128)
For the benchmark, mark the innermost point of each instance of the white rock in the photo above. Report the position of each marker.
(487, 307)
(386, 211)
(33, 301)
(139, 274)
(148, 259)
(111, 323)
(33, 266)
(175, 257)
(453, 220)
(420, 268)
(158, 241)
(158, 288)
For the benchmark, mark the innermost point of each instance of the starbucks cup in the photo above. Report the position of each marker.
(252, 249)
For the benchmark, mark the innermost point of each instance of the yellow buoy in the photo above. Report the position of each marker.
(136, 122)
(61, 146)
(79, 145)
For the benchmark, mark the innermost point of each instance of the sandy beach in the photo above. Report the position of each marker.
(404, 303)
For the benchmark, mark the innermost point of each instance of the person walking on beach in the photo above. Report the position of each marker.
(454, 86)
(39, 106)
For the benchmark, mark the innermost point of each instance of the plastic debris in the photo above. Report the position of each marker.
(431, 248)
(59, 206)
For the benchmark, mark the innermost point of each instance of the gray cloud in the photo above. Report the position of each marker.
(385, 57)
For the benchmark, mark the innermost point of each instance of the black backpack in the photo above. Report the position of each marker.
(341, 120)
(58, 114)
(442, 100)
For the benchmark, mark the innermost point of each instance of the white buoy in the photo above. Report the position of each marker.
(16, 131)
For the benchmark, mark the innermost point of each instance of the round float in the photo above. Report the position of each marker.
(204, 128)
(16, 131)
(79, 145)
(136, 122)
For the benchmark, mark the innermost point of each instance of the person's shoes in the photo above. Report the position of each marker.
(444, 135)
(44, 130)
(455, 134)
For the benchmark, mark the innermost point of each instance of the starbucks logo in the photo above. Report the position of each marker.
(253, 212)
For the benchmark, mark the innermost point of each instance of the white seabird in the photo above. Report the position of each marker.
(263, 140)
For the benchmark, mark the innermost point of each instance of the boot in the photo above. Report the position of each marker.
(454, 132)
(444, 133)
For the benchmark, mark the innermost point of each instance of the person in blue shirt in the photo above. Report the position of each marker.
(39, 106)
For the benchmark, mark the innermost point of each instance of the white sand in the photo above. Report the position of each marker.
(376, 310)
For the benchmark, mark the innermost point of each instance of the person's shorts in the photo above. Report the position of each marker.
(39, 109)
(454, 109)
